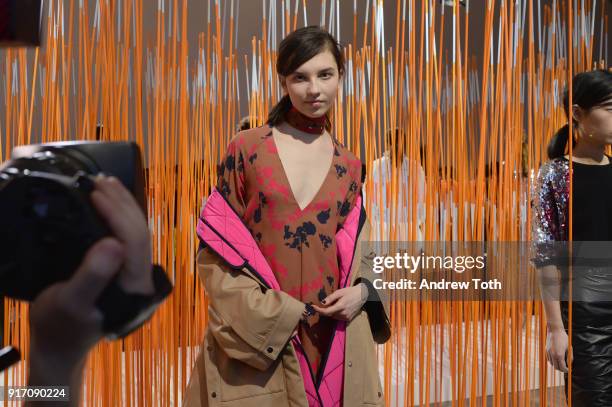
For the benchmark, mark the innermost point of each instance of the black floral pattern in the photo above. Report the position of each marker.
(326, 240)
(240, 167)
(262, 202)
(323, 216)
(340, 170)
(343, 207)
(224, 188)
(230, 162)
(322, 294)
(300, 236)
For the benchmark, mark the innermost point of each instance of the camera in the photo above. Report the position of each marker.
(48, 223)
(47, 219)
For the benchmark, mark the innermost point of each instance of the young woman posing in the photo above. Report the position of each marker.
(293, 317)
(591, 351)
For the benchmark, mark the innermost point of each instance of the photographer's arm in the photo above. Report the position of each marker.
(65, 322)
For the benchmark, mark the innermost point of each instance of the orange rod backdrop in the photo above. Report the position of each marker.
(467, 109)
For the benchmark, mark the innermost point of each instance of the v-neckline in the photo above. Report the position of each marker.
(323, 181)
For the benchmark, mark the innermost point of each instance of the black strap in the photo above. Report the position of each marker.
(379, 322)
(124, 312)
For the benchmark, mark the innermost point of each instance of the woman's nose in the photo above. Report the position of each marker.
(313, 87)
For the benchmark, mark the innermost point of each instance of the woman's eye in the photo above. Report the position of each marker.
(326, 75)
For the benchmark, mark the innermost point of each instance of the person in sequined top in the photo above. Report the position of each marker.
(591, 220)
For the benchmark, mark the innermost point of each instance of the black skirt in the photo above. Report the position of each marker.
(592, 350)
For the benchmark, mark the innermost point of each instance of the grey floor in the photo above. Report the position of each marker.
(555, 398)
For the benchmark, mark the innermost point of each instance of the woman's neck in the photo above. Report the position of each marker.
(589, 151)
(306, 124)
(308, 138)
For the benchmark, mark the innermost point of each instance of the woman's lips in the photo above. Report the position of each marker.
(316, 103)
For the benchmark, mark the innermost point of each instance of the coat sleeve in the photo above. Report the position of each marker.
(249, 322)
(377, 304)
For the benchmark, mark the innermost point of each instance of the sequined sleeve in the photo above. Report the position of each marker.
(545, 219)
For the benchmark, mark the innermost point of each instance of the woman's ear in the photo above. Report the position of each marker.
(283, 83)
(577, 113)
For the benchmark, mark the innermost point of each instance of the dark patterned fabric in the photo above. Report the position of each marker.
(299, 244)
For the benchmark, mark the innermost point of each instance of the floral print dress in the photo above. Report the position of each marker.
(299, 244)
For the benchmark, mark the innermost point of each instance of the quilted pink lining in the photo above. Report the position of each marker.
(242, 248)
(220, 228)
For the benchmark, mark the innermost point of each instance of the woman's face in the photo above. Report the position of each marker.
(313, 86)
(596, 123)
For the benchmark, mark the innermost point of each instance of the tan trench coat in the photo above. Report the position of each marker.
(246, 358)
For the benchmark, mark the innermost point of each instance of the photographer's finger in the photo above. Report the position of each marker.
(119, 194)
(100, 264)
(121, 216)
(116, 217)
(121, 191)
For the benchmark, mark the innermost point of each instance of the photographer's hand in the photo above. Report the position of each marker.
(65, 323)
(129, 225)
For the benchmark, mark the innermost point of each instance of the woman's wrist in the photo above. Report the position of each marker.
(555, 326)
(365, 293)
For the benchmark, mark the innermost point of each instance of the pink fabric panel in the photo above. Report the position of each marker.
(220, 215)
(331, 388)
(333, 379)
(345, 240)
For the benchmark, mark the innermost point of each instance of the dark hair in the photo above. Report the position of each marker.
(244, 123)
(294, 50)
(590, 89)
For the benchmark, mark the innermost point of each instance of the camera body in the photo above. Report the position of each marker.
(47, 219)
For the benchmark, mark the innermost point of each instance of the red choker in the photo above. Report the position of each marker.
(304, 123)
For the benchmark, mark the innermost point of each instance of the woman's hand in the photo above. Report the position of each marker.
(556, 348)
(344, 304)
